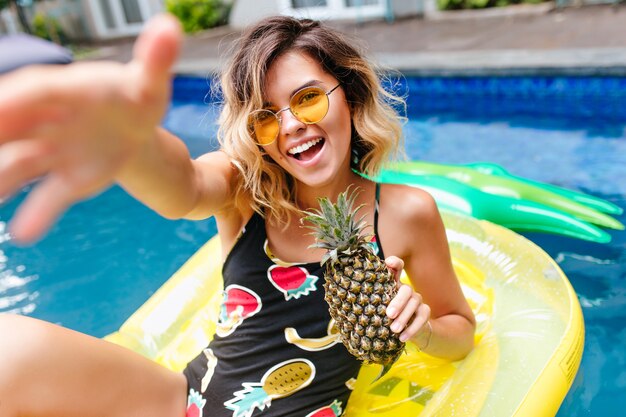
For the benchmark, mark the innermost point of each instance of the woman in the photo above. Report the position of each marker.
(86, 126)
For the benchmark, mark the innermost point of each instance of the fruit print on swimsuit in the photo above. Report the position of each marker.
(279, 381)
(277, 261)
(314, 343)
(292, 281)
(333, 410)
(374, 244)
(211, 363)
(195, 404)
(238, 304)
(351, 383)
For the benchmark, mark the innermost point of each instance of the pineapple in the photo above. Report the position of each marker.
(357, 282)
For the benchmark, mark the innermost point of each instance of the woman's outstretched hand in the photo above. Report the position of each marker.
(76, 126)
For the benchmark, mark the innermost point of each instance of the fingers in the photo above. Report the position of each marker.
(157, 48)
(409, 312)
(395, 265)
(22, 162)
(27, 105)
(42, 208)
(43, 98)
(419, 322)
(39, 97)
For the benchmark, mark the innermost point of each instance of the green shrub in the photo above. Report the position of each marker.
(196, 15)
(48, 28)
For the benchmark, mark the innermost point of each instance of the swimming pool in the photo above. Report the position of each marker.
(108, 254)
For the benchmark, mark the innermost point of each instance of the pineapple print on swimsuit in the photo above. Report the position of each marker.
(279, 381)
(357, 282)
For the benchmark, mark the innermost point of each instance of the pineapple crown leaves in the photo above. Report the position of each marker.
(335, 226)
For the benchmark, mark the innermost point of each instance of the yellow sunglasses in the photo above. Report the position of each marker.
(309, 105)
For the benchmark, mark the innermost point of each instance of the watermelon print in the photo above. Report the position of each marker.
(238, 304)
(292, 281)
(333, 410)
(195, 404)
(374, 244)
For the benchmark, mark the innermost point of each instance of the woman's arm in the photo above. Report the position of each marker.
(77, 129)
(163, 177)
(435, 315)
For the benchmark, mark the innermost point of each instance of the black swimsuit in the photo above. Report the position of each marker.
(275, 351)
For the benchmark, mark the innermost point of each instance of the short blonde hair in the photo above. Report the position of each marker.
(376, 126)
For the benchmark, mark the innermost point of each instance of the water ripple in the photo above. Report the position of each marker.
(15, 295)
(11, 302)
(562, 256)
(8, 281)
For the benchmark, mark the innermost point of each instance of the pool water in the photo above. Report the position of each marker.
(109, 254)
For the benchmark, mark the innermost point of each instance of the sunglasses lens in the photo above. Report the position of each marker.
(309, 105)
(263, 126)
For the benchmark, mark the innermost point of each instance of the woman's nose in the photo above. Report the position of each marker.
(290, 123)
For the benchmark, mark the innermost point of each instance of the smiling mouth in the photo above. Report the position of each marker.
(307, 150)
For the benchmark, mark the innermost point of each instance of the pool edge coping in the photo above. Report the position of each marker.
(609, 61)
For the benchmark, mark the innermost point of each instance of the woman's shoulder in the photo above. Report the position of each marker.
(408, 203)
(407, 213)
(410, 226)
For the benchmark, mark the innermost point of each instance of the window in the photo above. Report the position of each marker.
(299, 4)
(132, 12)
(353, 3)
(107, 14)
(115, 18)
(334, 9)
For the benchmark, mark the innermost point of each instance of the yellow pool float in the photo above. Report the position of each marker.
(529, 338)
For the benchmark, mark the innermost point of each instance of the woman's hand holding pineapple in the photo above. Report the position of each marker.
(407, 309)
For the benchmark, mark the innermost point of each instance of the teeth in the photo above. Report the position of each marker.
(304, 146)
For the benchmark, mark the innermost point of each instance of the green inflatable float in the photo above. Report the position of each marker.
(489, 192)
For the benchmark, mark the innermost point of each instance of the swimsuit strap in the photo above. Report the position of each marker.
(376, 210)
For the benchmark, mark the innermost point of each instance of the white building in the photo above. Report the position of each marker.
(90, 19)
(247, 11)
(108, 19)
(119, 18)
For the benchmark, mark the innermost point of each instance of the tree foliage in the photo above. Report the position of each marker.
(197, 15)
